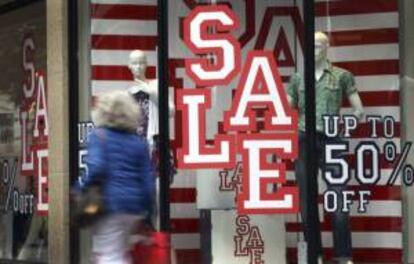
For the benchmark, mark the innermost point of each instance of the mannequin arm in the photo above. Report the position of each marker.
(153, 94)
(356, 104)
(152, 91)
(171, 107)
(291, 102)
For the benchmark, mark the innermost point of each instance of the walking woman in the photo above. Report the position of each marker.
(119, 159)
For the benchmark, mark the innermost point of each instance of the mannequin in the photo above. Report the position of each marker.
(332, 84)
(145, 92)
(322, 63)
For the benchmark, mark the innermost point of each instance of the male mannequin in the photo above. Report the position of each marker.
(332, 83)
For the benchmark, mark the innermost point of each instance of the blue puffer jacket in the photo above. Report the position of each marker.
(121, 159)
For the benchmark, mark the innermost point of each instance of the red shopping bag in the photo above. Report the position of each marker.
(158, 252)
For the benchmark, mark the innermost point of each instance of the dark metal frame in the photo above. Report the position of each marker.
(311, 167)
(205, 236)
(164, 127)
(73, 75)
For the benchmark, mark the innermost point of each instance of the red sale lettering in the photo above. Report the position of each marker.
(240, 250)
(255, 239)
(29, 68)
(34, 126)
(27, 155)
(259, 174)
(41, 164)
(243, 225)
(231, 182)
(194, 154)
(248, 241)
(226, 184)
(256, 255)
(223, 45)
(41, 114)
(28, 50)
(40, 147)
(260, 86)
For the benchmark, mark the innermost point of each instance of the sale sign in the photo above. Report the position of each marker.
(34, 126)
(247, 239)
(208, 30)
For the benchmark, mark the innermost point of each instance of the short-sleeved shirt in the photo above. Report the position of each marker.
(334, 84)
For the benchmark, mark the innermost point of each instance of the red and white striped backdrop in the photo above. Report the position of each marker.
(364, 39)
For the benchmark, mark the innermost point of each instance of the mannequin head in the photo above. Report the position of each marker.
(137, 64)
(321, 47)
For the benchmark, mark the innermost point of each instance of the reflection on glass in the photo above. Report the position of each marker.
(23, 135)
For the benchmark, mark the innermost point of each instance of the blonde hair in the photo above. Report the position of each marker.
(116, 110)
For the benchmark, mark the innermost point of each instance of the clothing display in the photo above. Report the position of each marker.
(148, 125)
(149, 105)
(142, 99)
(334, 85)
(145, 93)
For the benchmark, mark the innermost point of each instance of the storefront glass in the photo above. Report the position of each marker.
(357, 71)
(23, 134)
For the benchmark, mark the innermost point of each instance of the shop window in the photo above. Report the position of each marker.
(23, 135)
(363, 61)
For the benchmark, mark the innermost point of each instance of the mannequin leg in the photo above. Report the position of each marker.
(340, 228)
(340, 220)
(300, 171)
